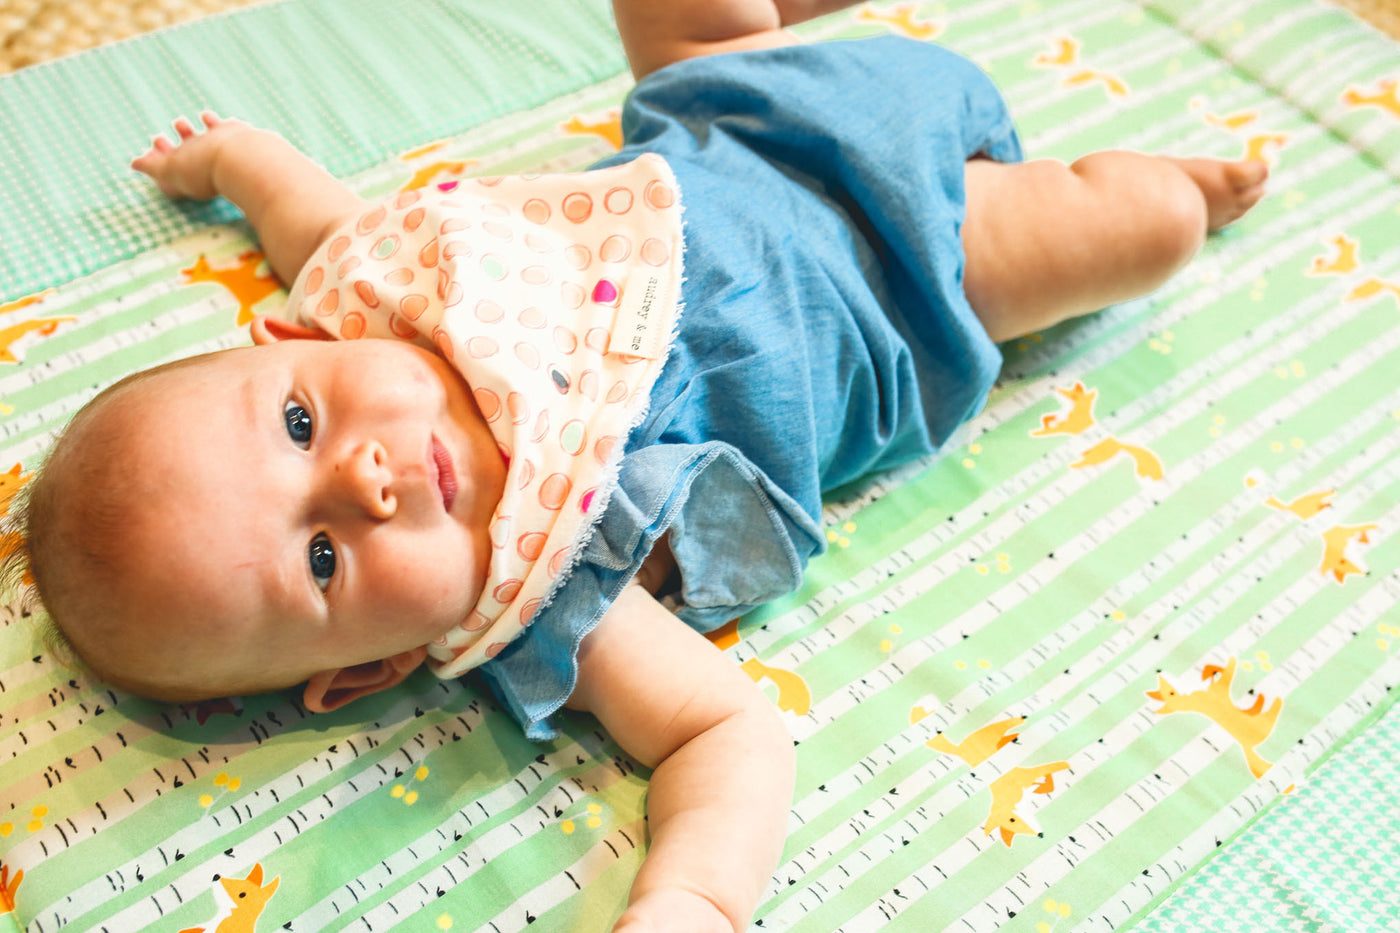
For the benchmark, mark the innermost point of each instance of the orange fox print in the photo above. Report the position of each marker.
(43, 326)
(1146, 464)
(1343, 260)
(1077, 419)
(1304, 507)
(413, 155)
(1335, 541)
(609, 127)
(12, 542)
(1233, 121)
(11, 482)
(24, 302)
(794, 696)
(1249, 727)
(1258, 143)
(1113, 85)
(249, 897)
(1064, 51)
(1258, 148)
(1064, 54)
(1383, 97)
(427, 174)
(1372, 287)
(903, 19)
(1007, 793)
(981, 744)
(9, 887)
(242, 280)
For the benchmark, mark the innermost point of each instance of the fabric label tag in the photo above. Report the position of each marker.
(638, 329)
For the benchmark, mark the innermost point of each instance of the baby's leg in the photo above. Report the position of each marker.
(1047, 241)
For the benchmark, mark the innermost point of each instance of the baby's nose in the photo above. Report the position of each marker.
(367, 480)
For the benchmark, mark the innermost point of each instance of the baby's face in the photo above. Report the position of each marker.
(313, 505)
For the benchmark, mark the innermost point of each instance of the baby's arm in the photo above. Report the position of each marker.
(722, 760)
(292, 202)
(657, 34)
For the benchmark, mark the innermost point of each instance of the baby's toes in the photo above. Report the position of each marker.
(1246, 174)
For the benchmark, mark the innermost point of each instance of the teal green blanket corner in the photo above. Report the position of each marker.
(350, 82)
(1117, 632)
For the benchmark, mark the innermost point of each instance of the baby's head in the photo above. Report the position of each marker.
(302, 510)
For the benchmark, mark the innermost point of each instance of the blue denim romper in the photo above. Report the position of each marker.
(825, 333)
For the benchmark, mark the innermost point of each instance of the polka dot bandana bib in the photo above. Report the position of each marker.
(556, 297)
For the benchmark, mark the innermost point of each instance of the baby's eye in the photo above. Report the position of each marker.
(298, 423)
(321, 555)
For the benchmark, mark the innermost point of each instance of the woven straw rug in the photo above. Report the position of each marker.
(1384, 14)
(33, 31)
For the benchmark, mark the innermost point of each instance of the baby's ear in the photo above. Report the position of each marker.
(270, 330)
(330, 690)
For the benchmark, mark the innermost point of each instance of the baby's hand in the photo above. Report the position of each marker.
(186, 169)
(672, 910)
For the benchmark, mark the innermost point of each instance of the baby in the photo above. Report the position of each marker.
(509, 413)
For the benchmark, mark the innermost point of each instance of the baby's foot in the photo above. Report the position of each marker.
(1230, 188)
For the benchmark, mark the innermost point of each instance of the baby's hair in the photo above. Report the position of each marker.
(17, 584)
(31, 560)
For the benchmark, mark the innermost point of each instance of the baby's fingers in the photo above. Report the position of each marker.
(182, 165)
(152, 158)
(185, 130)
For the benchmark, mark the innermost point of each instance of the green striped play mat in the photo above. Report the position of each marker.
(1114, 631)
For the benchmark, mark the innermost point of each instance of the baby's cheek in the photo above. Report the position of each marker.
(402, 389)
(427, 581)
(447, 588)
(423, 379)
(430, 370)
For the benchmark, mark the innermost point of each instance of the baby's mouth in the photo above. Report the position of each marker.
(446, 476)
